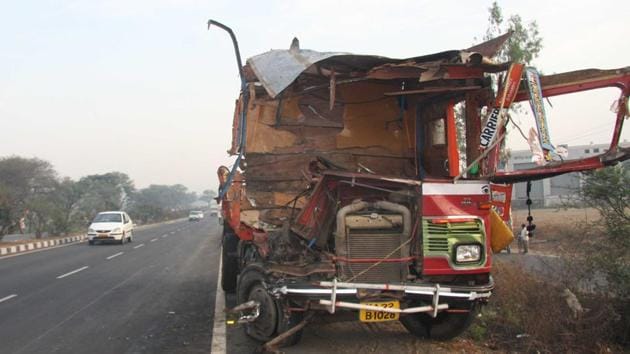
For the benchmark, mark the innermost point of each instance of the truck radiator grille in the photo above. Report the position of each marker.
(375, 244)
(437, 234)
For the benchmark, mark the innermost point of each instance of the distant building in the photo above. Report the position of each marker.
(550, 191)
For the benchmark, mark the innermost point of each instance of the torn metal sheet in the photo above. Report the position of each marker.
(278, 69)
(491, 47)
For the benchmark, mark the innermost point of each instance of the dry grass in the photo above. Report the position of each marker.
(560, 231)
(530, 314)
(559, 216)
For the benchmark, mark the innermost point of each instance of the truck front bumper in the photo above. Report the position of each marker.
(435, 297)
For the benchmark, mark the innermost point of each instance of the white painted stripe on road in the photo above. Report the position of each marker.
(8, 297)
(114, 255)
(154, 239)
(164, 236)
(74, 271)
(218, 330)
(138, 246)
(172, 232)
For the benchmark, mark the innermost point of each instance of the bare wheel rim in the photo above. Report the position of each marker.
(264, 326)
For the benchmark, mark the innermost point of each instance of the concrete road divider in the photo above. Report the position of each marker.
(37, 244)
(7, 250)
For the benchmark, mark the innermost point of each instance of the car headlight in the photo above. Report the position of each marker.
(467, 253)
(116, 230)
(91, 231)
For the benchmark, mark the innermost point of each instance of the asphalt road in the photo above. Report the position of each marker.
(154, 295)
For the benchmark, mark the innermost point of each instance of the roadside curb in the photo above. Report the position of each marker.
(35, 245)
(7, 250)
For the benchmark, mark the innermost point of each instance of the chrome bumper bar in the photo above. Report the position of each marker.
(351, 289)
(435, 291)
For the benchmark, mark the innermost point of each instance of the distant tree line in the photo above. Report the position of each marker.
(34, 199)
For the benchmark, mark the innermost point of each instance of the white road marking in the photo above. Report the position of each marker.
(8, 297)
(74, 271)
(114, 255)
(218, 330)
(164, 236)
(172, 232)
(103, 295)
(138, 246)
(153, 239)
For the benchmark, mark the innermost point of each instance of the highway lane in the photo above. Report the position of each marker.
(39, 267)
(153, 295)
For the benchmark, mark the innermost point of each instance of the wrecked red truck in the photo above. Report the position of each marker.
(349, 195)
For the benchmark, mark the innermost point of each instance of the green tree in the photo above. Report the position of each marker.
(42, 210)
(109, 191)
(208, 196)
(159, 202)
(31, 194)
(67, 196)
(608, 191)
(25, 187)
(523, 46)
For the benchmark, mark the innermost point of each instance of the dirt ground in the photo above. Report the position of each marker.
(555, 228)
(549, 216)
(357, 337)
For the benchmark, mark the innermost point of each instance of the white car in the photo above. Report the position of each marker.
(111, 226)
(195, 215)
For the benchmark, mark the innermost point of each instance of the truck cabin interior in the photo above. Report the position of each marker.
(302, 112)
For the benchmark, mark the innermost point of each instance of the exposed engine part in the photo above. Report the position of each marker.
(287, 248)
(364, 239)
(325, 268)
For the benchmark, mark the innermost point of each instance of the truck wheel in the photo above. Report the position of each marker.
(229, 270)
(447, 325)
(273, 319)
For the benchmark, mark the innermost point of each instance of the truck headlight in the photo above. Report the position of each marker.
(467, 253)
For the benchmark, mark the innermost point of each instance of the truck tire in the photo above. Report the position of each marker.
(273, 319)
(229, 269)
(444, 327)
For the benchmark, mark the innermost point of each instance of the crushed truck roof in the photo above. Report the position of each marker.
(278, 69)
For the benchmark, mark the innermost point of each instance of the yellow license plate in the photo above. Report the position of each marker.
(379, 316)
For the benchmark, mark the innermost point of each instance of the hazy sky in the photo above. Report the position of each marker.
(143, 88)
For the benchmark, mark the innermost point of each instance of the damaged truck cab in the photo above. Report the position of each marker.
(347, 195)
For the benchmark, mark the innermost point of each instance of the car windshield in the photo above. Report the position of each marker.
(108, 218)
